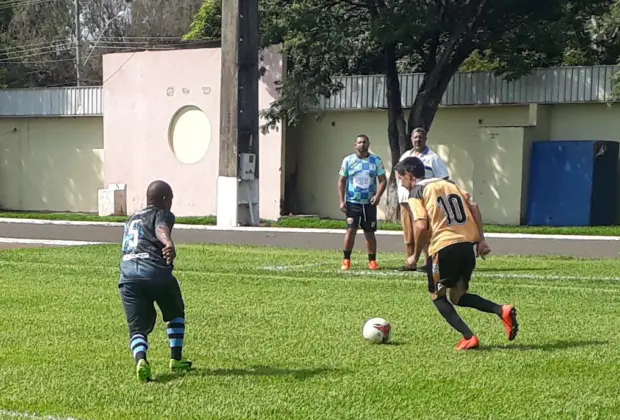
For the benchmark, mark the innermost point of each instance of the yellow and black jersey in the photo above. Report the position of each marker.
(444, 206)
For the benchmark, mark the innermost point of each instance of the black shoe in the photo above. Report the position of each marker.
(423, 269)
(405, 268)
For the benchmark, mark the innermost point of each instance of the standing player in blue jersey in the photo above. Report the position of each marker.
(146, 278)
(359, 196)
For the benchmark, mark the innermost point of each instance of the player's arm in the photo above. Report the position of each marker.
(164, 221)
(343, 175)
(482, 248)
(474, 208)
(420, 225)
(382, 182)
(420, 236)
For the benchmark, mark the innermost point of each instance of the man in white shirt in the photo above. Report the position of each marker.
(435, 168)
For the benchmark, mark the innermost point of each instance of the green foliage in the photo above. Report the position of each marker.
(606, 34)
(326, 38)
(543, 34)
(207, 23)
(479, 61)
(314, 52)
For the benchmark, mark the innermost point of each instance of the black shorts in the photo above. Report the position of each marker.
(450, 265)
(139, 297)
(362, 215)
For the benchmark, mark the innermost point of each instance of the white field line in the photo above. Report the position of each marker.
(322, 264)
(394, 273)
(302, 230)
(419, 278)
(53, 242)
(26, 415)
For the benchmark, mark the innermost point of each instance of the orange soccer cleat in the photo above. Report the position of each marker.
(346, 265)
(509, 318)
(468, 343)
(372, 265)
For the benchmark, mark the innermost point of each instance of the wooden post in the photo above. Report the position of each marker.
(239, 119)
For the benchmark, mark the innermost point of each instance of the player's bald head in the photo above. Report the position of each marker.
(159, 193)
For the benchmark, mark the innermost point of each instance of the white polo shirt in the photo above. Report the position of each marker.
(435, 168)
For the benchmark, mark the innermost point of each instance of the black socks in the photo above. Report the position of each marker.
(347, 256)
(469, 300)
(446, 310)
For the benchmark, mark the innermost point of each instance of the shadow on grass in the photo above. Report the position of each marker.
(394, 343)
(557, 345)
(299, 374)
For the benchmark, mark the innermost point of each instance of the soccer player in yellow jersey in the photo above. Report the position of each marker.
(447, 218)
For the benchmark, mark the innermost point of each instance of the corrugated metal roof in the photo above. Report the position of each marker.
(544, 86)
(554, 85)
(52, 102)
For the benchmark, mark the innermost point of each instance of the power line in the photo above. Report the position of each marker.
(34, 44)
(34, 54)
(43, 49)
(23, 63)
(20, 3)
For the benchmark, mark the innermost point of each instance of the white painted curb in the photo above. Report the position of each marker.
(52, 242)
(284, 230)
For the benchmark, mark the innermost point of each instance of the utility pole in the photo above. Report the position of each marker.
(237, 193)
(76, 6)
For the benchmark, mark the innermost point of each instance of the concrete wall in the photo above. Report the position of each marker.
(144, 95)
(57, 164)
(487, 150)
(51, 163)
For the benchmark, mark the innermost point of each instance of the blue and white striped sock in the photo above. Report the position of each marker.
(176, 333)
(139, 345)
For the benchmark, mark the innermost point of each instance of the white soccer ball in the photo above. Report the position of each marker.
(377, 331)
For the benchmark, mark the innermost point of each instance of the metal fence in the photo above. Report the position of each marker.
(545, 86)
(52, 102)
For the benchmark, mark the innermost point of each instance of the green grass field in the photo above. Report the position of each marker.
(317, 223)
(276, 334)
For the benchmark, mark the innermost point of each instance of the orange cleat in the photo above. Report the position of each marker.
(346, 265)
(509, 318)
(468, 344)
(372, 265)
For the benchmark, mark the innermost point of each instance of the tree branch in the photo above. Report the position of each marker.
(460, 34)
(431, 59)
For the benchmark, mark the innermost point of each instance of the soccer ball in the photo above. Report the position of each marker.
(377, 331)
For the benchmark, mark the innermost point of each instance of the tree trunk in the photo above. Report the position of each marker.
(426, 104)
(397, 131)
(433, 87)
(422, 113)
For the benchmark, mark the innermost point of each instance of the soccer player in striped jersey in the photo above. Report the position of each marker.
(148, 254)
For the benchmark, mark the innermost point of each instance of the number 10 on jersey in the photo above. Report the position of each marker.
(452, 205)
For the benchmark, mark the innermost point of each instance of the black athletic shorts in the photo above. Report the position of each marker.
(450, 265)
(362, 215)
(139, 297)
